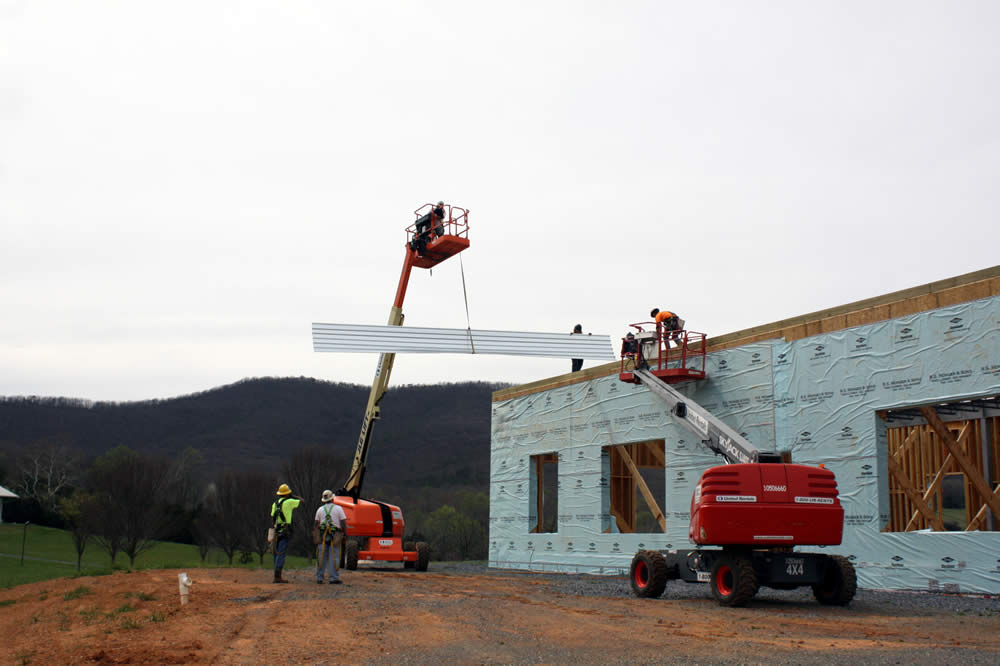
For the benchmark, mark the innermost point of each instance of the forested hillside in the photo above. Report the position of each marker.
(429, 435)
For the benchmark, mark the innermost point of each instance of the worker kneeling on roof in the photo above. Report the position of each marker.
(281, 518)
(328, 534)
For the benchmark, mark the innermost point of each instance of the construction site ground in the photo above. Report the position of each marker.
(470, 614)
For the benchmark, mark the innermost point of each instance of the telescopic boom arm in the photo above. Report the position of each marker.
(716, 435)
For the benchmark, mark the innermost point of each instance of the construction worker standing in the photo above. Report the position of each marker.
(330, 523)
(670, 323)
(281, 518)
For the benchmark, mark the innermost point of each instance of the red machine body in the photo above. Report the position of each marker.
(766, 504)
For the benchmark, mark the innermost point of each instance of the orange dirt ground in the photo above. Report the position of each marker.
(394, 616)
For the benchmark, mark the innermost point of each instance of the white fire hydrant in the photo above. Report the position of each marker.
(185, 584)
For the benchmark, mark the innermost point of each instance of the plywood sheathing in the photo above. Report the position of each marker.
(940, 294)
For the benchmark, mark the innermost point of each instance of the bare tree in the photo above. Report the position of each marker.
(129, 487)
(75, 510)
(225, 505)
(47, 471)
(256, 517)
(309, 472)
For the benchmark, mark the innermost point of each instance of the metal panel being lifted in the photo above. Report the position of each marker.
(414, 340)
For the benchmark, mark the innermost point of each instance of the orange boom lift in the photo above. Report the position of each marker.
(374, 528)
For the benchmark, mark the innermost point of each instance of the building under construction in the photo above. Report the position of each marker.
(898, 395)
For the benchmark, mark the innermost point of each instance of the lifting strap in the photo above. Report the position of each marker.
(468, 322)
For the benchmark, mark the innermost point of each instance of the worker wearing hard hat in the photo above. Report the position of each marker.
(670, 323)
(328, 533)
(281, 519)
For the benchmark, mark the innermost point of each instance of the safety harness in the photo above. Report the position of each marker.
(281, 525)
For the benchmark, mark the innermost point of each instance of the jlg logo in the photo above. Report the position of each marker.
(771, 488)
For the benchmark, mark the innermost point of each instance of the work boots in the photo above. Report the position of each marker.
(277, 577)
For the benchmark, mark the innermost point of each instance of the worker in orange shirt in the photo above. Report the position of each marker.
(671, 324)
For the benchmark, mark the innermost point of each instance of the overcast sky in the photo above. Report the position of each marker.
(186, 186)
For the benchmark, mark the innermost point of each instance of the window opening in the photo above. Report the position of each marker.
(543, 513)
(636, 488)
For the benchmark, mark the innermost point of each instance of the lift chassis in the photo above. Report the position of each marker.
(735, 574)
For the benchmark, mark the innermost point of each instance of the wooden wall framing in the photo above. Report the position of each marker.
(626, 460)
(921, 456)
(539, 463)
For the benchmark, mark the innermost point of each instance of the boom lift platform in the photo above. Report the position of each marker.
(756, 508)
(375, 529)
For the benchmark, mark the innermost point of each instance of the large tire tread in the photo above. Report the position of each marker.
(351, 555)
(423, 556)
(407, 547)
(648, 574)
(840, 584)
(738, 583)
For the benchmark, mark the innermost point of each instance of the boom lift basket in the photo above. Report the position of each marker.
(435, 239)
(650, 348)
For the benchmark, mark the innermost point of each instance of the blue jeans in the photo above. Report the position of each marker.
(280, 548)
(327, 558)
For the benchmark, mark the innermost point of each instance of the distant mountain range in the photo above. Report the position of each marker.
(429, 435)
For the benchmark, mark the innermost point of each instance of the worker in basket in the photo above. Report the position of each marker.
(631, 349)
(670, 323)
(429, 226)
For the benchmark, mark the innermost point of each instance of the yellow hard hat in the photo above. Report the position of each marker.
(284, 489)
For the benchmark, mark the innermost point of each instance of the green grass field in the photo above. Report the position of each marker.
(49, 553)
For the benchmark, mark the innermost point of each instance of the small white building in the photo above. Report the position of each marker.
(4, 494)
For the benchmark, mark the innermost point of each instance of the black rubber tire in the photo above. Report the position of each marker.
(408, 546)
(423, 556)
(351, 555)
(840, 583)
(648, 574)
(733, 581)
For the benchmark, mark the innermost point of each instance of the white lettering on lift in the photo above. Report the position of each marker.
(814, 500)
(735, 498)
(771, 488)
(385, 542)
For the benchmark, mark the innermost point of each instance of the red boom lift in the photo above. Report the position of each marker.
(748, 515)
(374, 528)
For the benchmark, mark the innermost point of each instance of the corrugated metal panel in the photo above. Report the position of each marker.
(414, 340)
